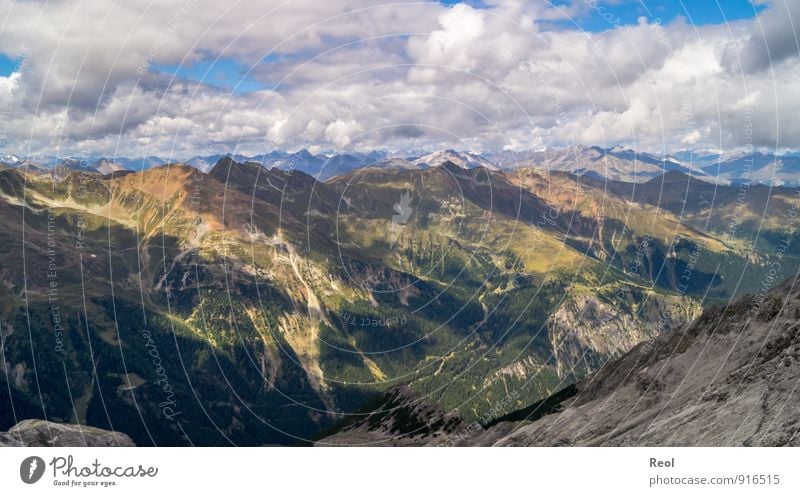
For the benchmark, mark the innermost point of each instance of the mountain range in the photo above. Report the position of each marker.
(261, 305)
(617, 163)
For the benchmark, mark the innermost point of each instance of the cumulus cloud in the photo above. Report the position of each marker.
(369, 73)
(768, 41)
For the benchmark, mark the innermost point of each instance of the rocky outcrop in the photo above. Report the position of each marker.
(730, 379)
(401, 417)
(591, 328)
(41, 433)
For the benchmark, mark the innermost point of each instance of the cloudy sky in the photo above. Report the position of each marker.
(184, 77)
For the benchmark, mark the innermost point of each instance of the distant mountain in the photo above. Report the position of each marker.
(613, 164)
(64, 166)
(777, 170)
(324, 167)
(301, 160)
(99, 165)
(336, 165)
(395, 163)
(617, 164)
(206, 163)
(507, 159)
(141, 163)
(27, 165)
(106, 166)
(699, 158)
(9, 160)
(465, 160)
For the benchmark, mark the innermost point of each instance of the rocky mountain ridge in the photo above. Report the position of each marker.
(614, 164)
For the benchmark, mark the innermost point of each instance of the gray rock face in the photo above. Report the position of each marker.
(586, 331)
(41, 433)
(730, 379)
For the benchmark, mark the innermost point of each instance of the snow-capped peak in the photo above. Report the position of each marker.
(465, 160)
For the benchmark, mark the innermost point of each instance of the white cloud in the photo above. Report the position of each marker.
(369, 73)
(769, 41)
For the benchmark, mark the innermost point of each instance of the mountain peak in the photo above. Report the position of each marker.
(223, 166)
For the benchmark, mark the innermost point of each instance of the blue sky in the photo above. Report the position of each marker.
(698, 12)
(9, 65)
(225, 73)
(701, 12)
